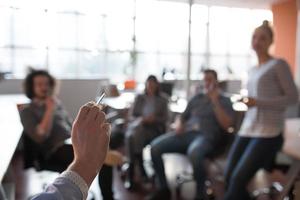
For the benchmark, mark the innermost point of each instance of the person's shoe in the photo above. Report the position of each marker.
(163, 194)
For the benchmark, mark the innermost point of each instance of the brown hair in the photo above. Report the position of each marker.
(28, 84)
(154, 79)
(266, 27)
(211, 71)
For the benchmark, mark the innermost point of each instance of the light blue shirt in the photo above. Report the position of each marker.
(68, 186)
(60, 189)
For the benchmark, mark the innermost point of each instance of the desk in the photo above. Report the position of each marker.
(10, 130)
(124, 101)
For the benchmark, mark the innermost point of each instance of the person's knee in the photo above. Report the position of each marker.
(196, 157)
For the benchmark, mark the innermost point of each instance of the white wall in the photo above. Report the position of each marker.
(73, 93)
(13, 86)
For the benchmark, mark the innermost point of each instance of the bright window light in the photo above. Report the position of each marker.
(121, 39)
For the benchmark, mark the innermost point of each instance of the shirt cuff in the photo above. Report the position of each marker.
(77, 180)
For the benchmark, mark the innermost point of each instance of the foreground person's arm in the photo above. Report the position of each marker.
(90, 139)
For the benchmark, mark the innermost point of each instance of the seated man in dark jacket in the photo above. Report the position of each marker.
(200, 132)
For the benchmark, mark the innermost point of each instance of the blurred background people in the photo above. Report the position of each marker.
(148, 118)
(90, 139)
(270, 89)
(47, 126)
(199, 133)
(46, 122)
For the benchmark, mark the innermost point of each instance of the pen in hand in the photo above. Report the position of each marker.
(100, 98)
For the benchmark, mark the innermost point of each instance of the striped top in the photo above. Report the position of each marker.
(273, 87)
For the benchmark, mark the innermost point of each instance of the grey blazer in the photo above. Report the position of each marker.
(161, 110)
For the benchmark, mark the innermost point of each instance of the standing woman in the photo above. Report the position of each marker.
(270, 89)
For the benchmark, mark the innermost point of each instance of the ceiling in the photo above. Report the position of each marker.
(237, 3)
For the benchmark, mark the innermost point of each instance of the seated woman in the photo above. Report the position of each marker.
(149, 115)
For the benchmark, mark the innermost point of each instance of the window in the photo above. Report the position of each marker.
(5, 26)
(118, 39)
(161, 38)
(224, 43)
